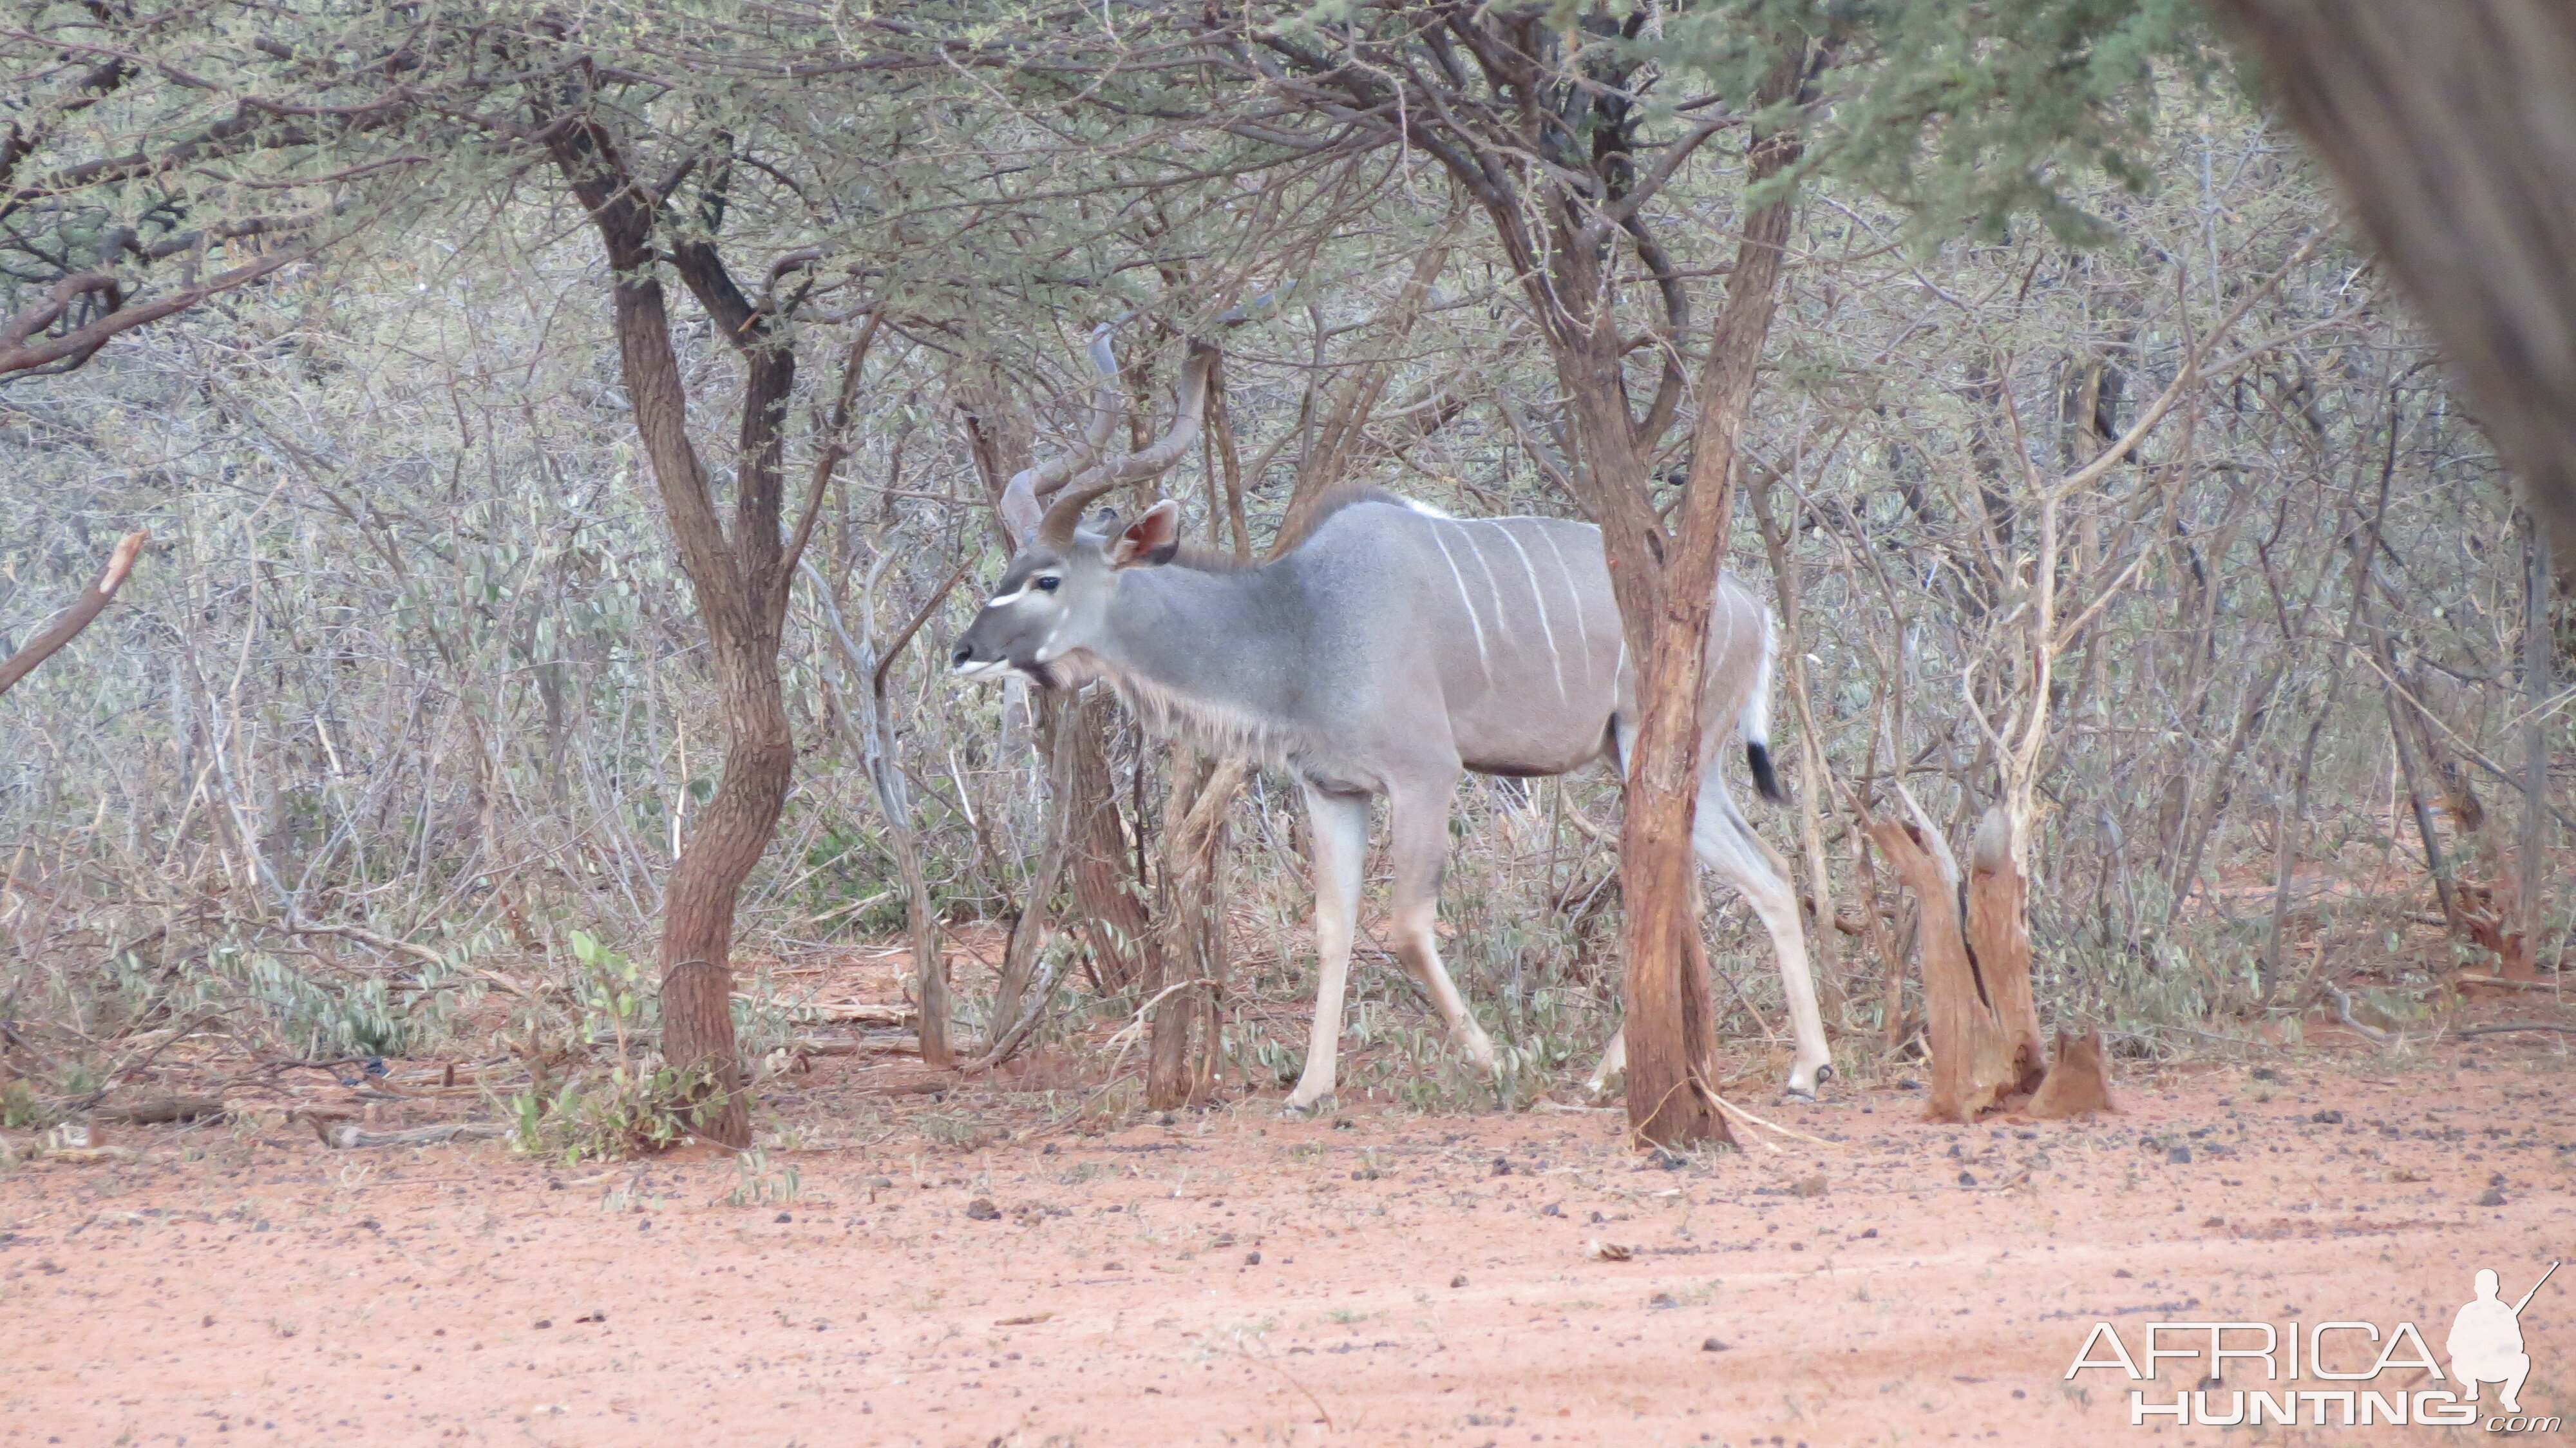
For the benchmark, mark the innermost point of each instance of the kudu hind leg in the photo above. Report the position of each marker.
(1614, 1064)
(1730, 849)
(1339, 824)
(1417, 851)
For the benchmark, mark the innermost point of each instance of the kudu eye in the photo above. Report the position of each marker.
(1048, 583)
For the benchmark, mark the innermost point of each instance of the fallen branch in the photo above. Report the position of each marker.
(1727, 1105)
(925, 1086)
(2343, 1013)
(167, 1109)
(342, 1136)
(296, 924)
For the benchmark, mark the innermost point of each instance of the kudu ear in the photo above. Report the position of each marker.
(1151, 539)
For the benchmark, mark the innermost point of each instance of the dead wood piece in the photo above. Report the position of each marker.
(167, 1109)
(1999, 943)
(1976, 1060)
(871, 1013)
(343, 1136)
(2343, 1013)
(2078, 1083)
(2500, 983)
(75, 1154)
(916, 1086)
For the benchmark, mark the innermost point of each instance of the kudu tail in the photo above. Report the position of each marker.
(1755, 724)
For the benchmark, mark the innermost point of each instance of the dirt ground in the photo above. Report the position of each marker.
(1376, 1277)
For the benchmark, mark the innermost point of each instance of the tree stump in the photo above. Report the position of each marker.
(1978, 1004)
(2078, 1085)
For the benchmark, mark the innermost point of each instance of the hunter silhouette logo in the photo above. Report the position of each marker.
(2252, 1373)
(2486, 1341)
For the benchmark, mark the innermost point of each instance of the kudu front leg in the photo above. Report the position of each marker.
(1339, 824)
(1417, 851)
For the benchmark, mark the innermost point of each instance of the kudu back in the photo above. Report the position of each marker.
(1390, 651)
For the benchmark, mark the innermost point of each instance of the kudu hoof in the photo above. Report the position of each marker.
(1809, 1093)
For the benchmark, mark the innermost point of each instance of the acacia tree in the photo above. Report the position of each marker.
(1565, 130)
(741, 573)
(151, 162)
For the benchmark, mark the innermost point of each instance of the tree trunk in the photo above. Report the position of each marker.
(1814, 770)
(740, 583)
(1999, 944)
(1105, 888)
(2447, 126)
(1187, 966)
(1973, 1056)
(1671, 1025)
(1028, 934)
(929, 961)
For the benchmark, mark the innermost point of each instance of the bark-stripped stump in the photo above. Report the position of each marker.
(1987, 1051)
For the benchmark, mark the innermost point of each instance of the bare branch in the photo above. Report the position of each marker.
(79, 616)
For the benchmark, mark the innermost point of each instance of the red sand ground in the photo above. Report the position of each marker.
(1418, 1279)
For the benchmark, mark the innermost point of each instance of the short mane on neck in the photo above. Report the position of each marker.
(1215, 727)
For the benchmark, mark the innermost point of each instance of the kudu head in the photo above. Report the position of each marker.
(1054, 597)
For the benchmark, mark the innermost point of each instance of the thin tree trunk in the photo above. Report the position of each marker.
(1671, 1029)
(2537, 657)
(2292, 829)
(1188, 963)
(1105, 883)
(740, 578)
(1815, 773)
(929, 961)
(2434, 863)
(1064, 720)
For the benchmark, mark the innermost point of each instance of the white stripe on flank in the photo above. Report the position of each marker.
(1493, 591)
(1546, 625)
(1575, 590)
(1483, 661)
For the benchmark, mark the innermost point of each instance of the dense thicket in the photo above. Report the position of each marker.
(411, 703)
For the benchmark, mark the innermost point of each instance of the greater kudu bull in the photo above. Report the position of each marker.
(1390, 650)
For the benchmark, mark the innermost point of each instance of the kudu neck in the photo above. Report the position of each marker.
(1221, 642)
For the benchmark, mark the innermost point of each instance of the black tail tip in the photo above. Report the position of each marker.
(1758, 756)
